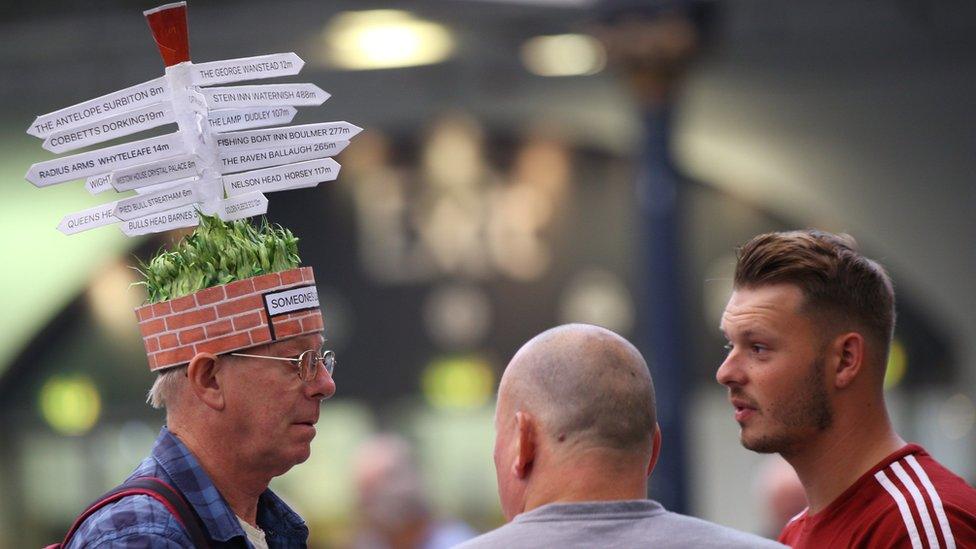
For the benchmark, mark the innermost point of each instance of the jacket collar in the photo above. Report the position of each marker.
(187, 475)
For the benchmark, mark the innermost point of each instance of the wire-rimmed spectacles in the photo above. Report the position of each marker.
(307, 362)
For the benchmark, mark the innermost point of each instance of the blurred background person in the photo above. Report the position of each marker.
(779, 490)
(393, 508)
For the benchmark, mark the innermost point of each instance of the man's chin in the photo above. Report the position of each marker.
(302, 454)
(297, 455)
(762, 444)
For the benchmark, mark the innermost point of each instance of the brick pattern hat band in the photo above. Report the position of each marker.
(231, 317)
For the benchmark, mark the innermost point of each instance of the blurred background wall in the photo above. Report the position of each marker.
(524, 164)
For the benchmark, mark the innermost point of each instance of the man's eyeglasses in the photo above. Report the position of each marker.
(307, 362)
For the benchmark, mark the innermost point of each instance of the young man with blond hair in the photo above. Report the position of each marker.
(808, 326)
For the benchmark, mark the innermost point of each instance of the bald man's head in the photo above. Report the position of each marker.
(587, 385)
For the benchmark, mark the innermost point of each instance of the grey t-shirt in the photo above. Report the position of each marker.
(613, 524)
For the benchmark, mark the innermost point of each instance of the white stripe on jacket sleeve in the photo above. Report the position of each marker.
(906, 514)
(936, 501)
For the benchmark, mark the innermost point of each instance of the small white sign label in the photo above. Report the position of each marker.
(130, 98)
(152, 173)
(265, 95)
(98, 216)
(118, 125)
(246, 68)
(186, 216)
(291, 135)
(99, 183)
(161, 200)
(245, 205)
(291, 300)
(282, 178)
(228, 120)
(99, 161)
(263, 158)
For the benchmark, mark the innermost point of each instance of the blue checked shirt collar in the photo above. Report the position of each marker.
(283, 527)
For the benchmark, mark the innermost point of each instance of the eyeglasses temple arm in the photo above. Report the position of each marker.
(262, 356)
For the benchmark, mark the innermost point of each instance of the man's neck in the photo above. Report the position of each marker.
(240, 485)
(836, 459)
(584, 479)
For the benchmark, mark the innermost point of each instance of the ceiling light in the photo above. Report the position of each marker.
(70, 403)
(564, 55)
(384, 39)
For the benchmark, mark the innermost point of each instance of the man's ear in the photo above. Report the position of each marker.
(525, 444)
(655, 449)
(202, 374)
(846, 358)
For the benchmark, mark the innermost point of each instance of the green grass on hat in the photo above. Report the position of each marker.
(216, 253)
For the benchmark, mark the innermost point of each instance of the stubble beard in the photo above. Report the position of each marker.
(796, 418)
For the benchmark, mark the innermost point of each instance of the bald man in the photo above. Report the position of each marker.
(577, 439)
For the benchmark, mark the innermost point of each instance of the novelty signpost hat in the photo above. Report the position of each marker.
(227, 286)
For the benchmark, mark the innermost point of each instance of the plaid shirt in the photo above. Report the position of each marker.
(142, 521)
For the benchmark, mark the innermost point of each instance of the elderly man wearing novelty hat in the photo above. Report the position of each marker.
(233, 328)
(234, 332)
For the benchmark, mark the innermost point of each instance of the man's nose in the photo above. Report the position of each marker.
(729, 372)
(323, 386)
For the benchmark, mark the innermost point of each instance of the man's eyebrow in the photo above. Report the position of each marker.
(294, 349)
(291, 350)
(744, 334)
